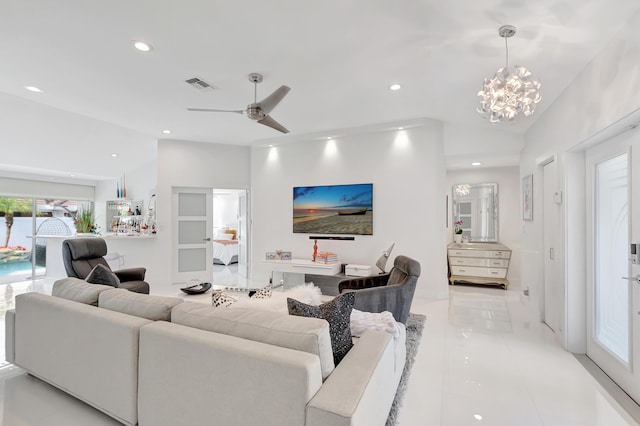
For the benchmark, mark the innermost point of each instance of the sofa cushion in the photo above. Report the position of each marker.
(154, 308)
(100, 274)
(304, 334)
(337, 313)
(78, 290)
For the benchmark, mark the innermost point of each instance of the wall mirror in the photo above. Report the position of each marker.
(476, 205)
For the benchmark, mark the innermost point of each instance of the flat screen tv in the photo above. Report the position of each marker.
(333, 209)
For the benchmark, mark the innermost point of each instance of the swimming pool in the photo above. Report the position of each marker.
(17, 270)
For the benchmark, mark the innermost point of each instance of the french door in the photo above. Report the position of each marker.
(243, 234)
(613, 301)
(193, 252)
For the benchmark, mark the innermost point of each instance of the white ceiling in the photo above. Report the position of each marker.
(338, 57)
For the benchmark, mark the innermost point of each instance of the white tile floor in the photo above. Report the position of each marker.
(482, 360)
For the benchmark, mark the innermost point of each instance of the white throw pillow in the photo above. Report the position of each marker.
(306, 293)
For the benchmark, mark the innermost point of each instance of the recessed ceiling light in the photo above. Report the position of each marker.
(34, 89)
(142, 46)
(329, 138)
(477, 416)
(270, 145)
(476, 164)
(114, 155)
(166, 131)
(72, 175)
(400, 128)
(395, 86)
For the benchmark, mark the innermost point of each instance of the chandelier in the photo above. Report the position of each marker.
(462, 190)
(511, 91)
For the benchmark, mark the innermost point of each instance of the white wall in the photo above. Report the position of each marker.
(225, 209)
(493, 146)
(407, 170)
(606, 92)
(509, 212)
(190, 164)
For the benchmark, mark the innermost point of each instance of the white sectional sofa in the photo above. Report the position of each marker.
(157, 361)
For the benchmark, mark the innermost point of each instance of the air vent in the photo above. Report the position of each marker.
(199, 84)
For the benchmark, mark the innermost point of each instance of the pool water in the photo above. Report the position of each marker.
(20, 269)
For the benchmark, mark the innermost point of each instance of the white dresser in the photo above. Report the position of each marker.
(479, 263)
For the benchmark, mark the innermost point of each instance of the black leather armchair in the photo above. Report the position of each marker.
(391, 292)
(81, 255)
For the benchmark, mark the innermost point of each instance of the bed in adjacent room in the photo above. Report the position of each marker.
(225, 247)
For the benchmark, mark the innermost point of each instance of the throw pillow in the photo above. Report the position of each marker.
(100, 274)
(306, 293)
(219, 299)
(263, 293)
(337, 313)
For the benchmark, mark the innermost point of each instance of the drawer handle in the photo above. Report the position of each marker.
(462, 270)
(494, 272)
(497, 263)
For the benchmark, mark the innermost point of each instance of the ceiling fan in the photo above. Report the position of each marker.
(258, 111)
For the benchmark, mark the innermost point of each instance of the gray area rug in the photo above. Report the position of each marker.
(415, 325)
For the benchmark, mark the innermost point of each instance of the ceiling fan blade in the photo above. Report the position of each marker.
(270, 102)
(237, 111)
(270, 122)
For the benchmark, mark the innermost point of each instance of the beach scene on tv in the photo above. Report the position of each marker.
(333, 209)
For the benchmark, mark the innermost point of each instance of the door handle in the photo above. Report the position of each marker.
(206, 239)
(636, 278)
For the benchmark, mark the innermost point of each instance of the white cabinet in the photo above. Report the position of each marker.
(479, 263)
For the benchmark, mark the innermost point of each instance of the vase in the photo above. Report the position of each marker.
(457, 238)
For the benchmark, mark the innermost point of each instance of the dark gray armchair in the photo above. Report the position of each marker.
(81, 255)
(391, 292)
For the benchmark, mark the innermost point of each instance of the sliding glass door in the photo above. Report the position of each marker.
(21, 255)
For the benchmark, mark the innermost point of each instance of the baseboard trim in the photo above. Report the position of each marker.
(616, 392)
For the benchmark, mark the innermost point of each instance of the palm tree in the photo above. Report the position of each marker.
(9, 206)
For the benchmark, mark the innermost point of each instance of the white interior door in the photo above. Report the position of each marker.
(553, 297)
(613, 302)
(243, 234)
(193, 253)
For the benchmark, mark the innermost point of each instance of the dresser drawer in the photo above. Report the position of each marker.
(474, 271)
(493, 254)
(501, 254)
(475, 261)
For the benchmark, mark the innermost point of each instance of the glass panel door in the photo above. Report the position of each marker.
(612, 300)
(194, 222)
(611, 294)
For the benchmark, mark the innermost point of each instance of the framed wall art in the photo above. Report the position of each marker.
(527, 198)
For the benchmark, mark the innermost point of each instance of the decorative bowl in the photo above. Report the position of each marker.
(196, 288)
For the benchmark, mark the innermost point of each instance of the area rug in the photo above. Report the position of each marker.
(415, 325)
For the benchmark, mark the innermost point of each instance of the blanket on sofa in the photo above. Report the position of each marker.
(311, 295)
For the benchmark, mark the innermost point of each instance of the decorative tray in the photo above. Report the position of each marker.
(196, 288)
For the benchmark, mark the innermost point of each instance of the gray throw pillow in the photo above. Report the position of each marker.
(337, 313)
(100, 274)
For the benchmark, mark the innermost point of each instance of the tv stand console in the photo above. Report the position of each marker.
(324, 276)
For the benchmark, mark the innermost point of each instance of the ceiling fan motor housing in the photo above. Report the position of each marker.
(254, 112)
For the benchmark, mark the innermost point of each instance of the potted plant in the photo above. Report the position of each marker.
(458, 231)
(85, 221)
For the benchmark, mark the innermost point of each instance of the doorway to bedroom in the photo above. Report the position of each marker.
(230, 236)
